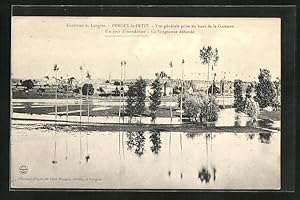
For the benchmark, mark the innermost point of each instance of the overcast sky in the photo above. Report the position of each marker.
(40, 42)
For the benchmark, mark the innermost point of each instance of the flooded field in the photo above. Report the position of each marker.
(145, 103)
(36, 109)
(152, 159)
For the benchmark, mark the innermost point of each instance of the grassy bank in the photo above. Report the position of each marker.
(187, 128)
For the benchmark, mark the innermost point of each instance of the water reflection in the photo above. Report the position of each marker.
(169, 173)
(204, 175)
(67, 151)
(156, 141)
(121, 144)
(87, 157)
(208, 171)
(80, 143)
(191, 135)
(175, 156)
(177, 160)
(250, 136)
(54, 161)
(181, 161)
(265, 138)
(122, 161)
(170, 159)
(136, 142)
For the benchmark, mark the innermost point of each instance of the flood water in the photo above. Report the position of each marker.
(227, 117)
(143, 160)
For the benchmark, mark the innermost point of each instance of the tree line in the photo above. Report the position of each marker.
(261, 94)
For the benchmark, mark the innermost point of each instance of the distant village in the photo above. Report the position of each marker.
(113, 87)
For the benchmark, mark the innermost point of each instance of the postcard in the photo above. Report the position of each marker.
(145, 103)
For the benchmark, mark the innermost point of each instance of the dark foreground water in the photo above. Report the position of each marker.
(144, 160)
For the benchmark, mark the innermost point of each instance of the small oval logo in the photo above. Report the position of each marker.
(23, 169)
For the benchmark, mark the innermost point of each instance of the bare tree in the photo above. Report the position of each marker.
(80, 105)
(123, 91)
(171, 67)
(80, 113)
(122, 79)
(55, 69)
(67, 107)
(209, 57)
(88, 76)
(181, 92)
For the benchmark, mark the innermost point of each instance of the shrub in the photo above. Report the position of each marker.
(251, 108)
(155, 98)
(88, 88)
(28, 84)
(249, 90)
(238, 103)
(191, 106)
(212, 110)
(77, 90)
(276, 104)
(265, 90)
(136, 96)
(131, 100)
(201, 107)
(117, 83)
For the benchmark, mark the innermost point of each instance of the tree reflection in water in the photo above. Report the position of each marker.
(87, 157)
(54, 161)
(80, 143)
(136, 142)
(156, 141)
(191, 135)
(181, 173)
(265, 138)
(170, 159)
(169, 173)
(250, 136)
(214, 173)
(205, 174)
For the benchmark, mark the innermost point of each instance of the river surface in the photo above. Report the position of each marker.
(43, 158)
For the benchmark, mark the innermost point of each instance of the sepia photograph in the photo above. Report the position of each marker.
(112, 103)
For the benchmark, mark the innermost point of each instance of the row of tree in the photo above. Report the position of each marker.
(259, 94)
(203, 107)
(197, 107)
